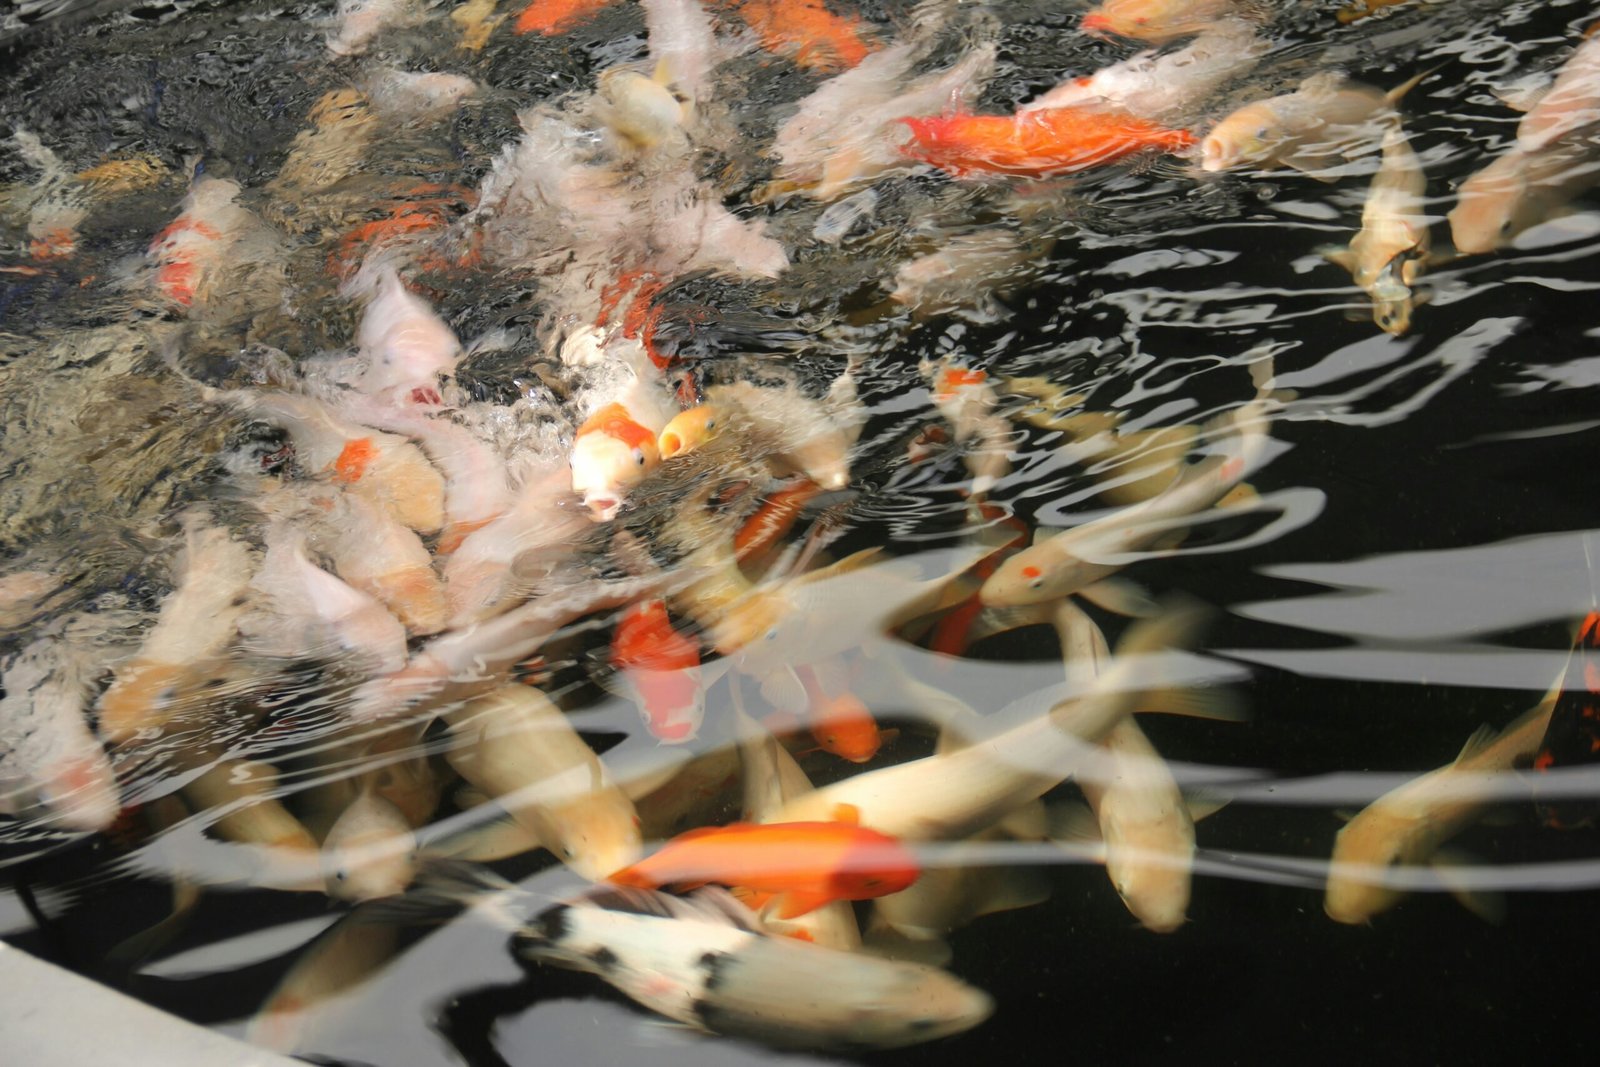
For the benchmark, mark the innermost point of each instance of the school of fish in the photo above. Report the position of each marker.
(354, 628)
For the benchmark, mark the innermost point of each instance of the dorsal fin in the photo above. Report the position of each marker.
(1481, 739)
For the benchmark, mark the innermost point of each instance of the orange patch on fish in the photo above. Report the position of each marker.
(354, 459)
(613, 420)
(659, 661)
(1034, 144)
(550, 17)
(953, 378)
(55, 244)
(819, 39)
(802, 865)
(775, 518)
(841, 725)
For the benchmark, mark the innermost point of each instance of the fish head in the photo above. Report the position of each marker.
(875, 866)
(690, 429)
(642, 109)
(594, 834)
(144, 696)
(1250, 135)
(923, 1004)
(845, 728)
(1365, 853)
(1151, 871)
(1493, 206)
(610, 457)
(1027, 578)
(368, 863)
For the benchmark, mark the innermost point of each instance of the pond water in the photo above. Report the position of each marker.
(1423, 550)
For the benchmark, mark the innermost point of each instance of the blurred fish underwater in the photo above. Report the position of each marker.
(716, 531)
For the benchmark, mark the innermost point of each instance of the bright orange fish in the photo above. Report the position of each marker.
(818, 39)
(801, 865)
(662, 665)
(551, 17)
(841, 725)
(773, 519)
(1034, 144)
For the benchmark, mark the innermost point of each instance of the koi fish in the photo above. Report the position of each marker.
(799, 865)
(707, 962)
(1034, 144)
(553, 17)
(240, 798)
(816, 37)
(1387, 256)
(610, 454)
(213, 242)
(362, 20)
(386, 560)
(1571, 105)
(840, 723)
(966, 399)
(1326, 119)
(187, 646)
(1163, 86)
(688, 430)
(407, 345)
(773, 519)
(662, 667)
(1158, 20)
(1356, 10)
(1408, 825)
(1073, 560)
(798, 433)
(517, 747)
(1573, 735)
(370, 851)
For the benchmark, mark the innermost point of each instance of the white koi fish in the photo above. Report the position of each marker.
(1387, 256)
(407, 345)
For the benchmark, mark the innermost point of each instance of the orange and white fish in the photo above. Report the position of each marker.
(383, 558)
(1034, 144)
(611, 453)
(817, 38)
(214, 242)
(799, 865)
(1159, 20)
(662, 669)
(966, 398)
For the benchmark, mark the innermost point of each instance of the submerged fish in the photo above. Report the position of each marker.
(1387, 256)
(1034, 144)
(662, 668)
(816, 37)
(706, 962)
(1159, 20)
(1572, 738)
(800, 866)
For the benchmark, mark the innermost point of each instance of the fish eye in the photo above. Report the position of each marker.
(341, 875)
(638, 456)
(1505, 227)
(1261, 134)
(772, 634)
(1037, 583)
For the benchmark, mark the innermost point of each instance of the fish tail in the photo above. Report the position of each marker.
(1394, 96)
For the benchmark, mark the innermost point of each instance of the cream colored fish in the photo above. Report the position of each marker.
(1389, 253)
(1570, 106)
(518, 747)
(1328, 118)
(1160, 20)
(1407, 825)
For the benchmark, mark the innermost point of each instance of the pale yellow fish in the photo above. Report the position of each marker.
(1389, 253)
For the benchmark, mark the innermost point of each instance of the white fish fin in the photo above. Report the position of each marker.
(1204, 803)
(784, 691)
(1121, 597)
(1488, 905)
(1219, 705)
(1395, 95)
(1074, 823)
(891, 944)
(1011, 889)
(992, 621)
(1326, 81)
(1481, 739)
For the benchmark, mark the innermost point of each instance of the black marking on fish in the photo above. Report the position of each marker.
(550, 926)
(715, 965)
(603, 959)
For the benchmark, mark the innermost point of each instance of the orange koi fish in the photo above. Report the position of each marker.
(840, 724)
(611, 453)
(663, 668)
(799, 865)
(816, 37)
(551, 17)
(1034, 144)
(773, 519)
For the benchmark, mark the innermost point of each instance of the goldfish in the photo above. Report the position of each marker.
(1388, 254)
(1073, 560)
(1034, 144)
(840, 722)
(1158, 20)
(799, 865)
(1163, 86)
(187, 646)
(516, 746)
(642, 109)
(662, 667)
(818, 38)
(707, 962)
(688, 430)
(1573, 736)
(1407, 826)
(1328, 117)
(552, 17)
(773, 519)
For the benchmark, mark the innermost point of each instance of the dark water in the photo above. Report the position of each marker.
(1435, 589)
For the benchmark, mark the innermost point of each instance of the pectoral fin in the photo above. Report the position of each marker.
(1451, 866)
